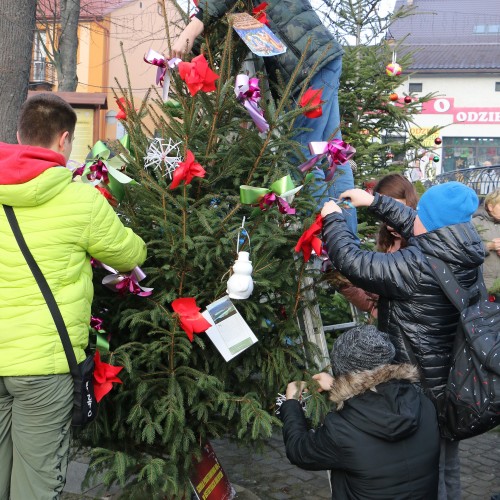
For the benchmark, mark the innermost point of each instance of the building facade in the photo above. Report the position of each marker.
(456, 55)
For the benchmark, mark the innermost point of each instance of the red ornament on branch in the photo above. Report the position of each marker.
(186, 170)
(197, 75)
(260, 14)
(312, 97)
(310, 239)
(408, 99)
(189, 315)
(104, 377)
(438, 141)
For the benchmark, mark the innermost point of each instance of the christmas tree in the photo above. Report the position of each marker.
(212, 181)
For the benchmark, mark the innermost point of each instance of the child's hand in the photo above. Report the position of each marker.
(185, 40)
(294, 390)
(358, 197)
(330, 207)
(324, 380)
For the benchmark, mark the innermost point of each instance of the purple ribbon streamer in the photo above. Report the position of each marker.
(338, 152)
(248, 93)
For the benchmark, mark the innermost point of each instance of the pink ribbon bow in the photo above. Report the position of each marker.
(338, 152)
(247, 91)
(270, 199)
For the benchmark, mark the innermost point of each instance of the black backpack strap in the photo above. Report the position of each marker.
(459, 296)
(45, 289)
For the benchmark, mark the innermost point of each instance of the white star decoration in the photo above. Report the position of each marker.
(162, 155)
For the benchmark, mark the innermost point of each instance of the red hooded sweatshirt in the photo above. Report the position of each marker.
(20, 164)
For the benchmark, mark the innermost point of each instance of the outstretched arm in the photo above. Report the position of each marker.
(185, 40)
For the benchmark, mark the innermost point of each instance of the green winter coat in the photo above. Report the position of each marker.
(294, 22)
(64, 223)
(489, 229)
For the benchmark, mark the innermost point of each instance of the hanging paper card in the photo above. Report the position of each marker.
(257, 36)
(229, 332)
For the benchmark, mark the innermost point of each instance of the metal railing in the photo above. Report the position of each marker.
(483, 180)
(42, 72)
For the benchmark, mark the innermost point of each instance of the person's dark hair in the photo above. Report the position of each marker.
(43, 118)
(395, 186)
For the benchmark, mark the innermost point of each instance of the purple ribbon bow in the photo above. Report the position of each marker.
(247, 91)
(95, 323)
(270, 199)
(99, 171)
(126, 282)
(156, 59)
(338, 152)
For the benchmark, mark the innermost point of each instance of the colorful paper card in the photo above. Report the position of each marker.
(257, 36)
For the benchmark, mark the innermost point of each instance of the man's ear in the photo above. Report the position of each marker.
(62, 140)
(18, 138)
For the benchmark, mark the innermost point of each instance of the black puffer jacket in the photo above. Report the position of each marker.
(411, 301)
(381, 445)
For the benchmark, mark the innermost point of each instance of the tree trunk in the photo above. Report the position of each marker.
(17, 24)
(68, 45)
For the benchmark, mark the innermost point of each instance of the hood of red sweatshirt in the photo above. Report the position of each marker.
(20, 164)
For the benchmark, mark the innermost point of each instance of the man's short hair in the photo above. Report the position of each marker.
(43, 118)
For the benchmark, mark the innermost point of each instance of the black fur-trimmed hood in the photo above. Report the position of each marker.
(383, 402)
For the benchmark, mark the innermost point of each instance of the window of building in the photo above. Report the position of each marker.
(484, 29)
(497, 86)
(467, 152)
(415, 87)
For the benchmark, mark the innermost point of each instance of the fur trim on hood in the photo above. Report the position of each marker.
(347, 386)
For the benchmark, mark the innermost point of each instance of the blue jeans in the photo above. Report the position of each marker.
(321, 129)
(449, 471)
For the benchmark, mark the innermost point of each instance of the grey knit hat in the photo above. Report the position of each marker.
(361, 348)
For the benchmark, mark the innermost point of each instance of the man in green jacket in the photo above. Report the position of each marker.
(298, 26)
(64, 224)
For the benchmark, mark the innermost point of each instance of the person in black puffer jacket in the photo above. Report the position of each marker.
(382, 442)
(413, 309)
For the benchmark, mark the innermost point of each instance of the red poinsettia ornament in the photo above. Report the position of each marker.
(190, 317)
(121, 103)
(310, 240)
(259, 13)
(104, 376)
(312, 97)
(186, 170)
(197, 75)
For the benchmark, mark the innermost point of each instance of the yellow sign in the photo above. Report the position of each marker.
(428, 142)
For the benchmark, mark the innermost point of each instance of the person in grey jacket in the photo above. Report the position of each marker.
(413, 309)
(487, 222)
(298, 26)
(382, 439)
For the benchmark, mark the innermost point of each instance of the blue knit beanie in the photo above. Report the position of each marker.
(447, 204)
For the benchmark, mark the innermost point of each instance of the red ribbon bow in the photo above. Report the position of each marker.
(197, 75)
(121, 103)
(260, 14)
(190, 318)
(310, 241)
(312, 97)
(186, 170)
(104, 376)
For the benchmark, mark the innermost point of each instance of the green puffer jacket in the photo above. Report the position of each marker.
(489, 229)
(294, 22)
(64, 223)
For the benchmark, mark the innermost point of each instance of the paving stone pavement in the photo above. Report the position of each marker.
(270, 476)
